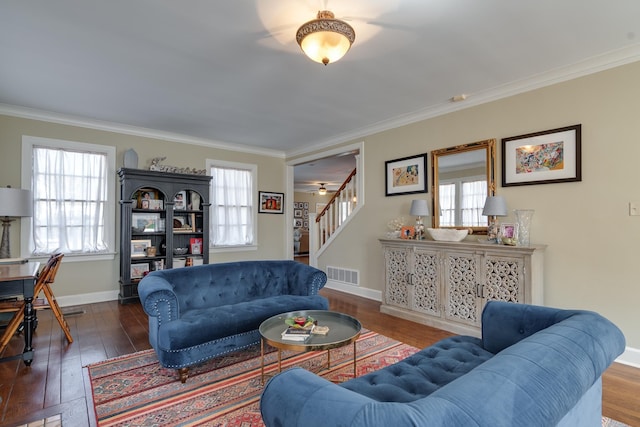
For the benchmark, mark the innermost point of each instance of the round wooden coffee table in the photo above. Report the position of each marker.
(343, 330)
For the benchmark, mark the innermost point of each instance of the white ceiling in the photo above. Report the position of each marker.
(230, 73)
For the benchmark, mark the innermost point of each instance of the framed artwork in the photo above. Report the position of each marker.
(508, 230)
(147, 222)
(138, 271)
(296, 205)
(180, 201)
(545, 157)
(297, 213)
(297, 223)
(407, 232)
(270, 202)
(407, 175)
(138, 248)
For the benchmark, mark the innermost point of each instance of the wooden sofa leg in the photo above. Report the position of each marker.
(184, 374)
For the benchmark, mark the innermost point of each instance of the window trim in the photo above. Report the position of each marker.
(254, 183)
(110, 207)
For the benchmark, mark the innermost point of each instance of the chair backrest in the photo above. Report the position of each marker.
(48, 273)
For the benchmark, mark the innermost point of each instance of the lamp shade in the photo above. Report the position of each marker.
(15, 202)
(419, 208)
(495, 206)
(325, 39)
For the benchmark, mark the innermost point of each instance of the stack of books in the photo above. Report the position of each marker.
(296, 334)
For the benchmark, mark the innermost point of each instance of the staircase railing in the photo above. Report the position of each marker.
(337, 210)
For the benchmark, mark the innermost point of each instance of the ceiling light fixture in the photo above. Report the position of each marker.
(325, 39)
(322, 190)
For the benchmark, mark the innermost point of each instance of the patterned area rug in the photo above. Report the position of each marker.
(134, 390)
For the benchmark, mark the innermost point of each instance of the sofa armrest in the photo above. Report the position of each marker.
(299, 397)
(305, 280)
(158, 298)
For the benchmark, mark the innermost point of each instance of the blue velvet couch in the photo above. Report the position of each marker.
(534, 366)
(197, 313)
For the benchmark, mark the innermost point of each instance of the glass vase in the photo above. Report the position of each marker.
(523, 218)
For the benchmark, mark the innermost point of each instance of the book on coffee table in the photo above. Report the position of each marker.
(296, 334)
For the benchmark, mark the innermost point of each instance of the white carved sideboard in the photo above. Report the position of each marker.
(446, 284)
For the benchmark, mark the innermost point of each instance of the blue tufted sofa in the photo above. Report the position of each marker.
(197, 313)
(534, 366)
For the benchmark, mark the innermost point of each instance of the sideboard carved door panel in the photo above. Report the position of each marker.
(462, 278)
(426, 283)
(397, 276)
(504, 278)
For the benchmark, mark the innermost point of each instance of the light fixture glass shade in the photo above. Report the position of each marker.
(16, 202)
(325, 39)
(419, 208)
(495, 206)
(322, 190)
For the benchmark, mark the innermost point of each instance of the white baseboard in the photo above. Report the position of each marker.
(631, 357)
(354, 290)
(69, 300)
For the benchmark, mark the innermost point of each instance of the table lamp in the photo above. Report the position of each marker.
(494, 206)
(16, 203)
(419, 208)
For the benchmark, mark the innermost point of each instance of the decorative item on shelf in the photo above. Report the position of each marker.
(131, 159)
(419, 208)
(395, 225)
(494, 206)
(179, 262)
(407, 232)
(150, 251)
(509, 234)
(156, 166)
(325, 39)
(16, 203)
(523, 218)
(195, 201)
(447, 234)
(180, 251)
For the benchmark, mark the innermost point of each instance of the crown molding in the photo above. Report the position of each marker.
(583, 68)
(70, 120)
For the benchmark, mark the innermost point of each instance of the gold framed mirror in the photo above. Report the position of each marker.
(462, 177)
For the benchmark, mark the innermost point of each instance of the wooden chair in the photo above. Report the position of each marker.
(45, 279)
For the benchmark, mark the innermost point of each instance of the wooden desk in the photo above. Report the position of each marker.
(20, 279)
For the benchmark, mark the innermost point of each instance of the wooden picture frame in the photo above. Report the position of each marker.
(407, 175)
(407, 232)
(545, 157)
(270, 202)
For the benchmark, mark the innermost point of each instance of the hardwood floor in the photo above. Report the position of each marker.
(57, 381)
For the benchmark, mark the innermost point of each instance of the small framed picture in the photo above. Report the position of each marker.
(296, 205)
(138, 248)
(195, 245)
(297, 213)
(138, 271)
(306, 205)
(407, 232)
(155, 205)
(508, 230)
(144, 196)
(297, 223)
(271, 202)
(180, 201)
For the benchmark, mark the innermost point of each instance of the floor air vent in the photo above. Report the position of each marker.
(344, 275)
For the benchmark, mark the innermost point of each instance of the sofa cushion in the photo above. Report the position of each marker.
(422, 373)
(198, 326)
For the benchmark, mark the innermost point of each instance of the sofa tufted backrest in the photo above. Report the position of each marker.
(230, 283)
